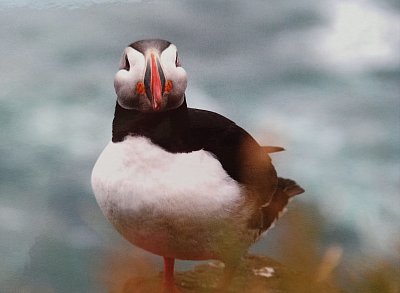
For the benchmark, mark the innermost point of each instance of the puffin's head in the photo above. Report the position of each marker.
(150, 77)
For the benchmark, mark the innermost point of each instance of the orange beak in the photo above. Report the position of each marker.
(155, 84)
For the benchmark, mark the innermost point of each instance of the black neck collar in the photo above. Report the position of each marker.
(162, 128)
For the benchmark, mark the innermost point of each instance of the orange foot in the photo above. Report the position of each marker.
(169, 289)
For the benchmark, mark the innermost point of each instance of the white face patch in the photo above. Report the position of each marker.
(172, 72)
(137, 66)
(127, 78)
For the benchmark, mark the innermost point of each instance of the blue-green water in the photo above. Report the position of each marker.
(320, 78)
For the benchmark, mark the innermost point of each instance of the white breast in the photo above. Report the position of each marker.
(148, 192)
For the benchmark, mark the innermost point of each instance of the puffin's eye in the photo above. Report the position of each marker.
(177, 62)
(127, 65)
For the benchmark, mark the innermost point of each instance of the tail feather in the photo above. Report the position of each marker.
(289, 187)
(272, 149)
(286, 189)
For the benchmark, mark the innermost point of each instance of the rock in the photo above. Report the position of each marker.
(255, 274)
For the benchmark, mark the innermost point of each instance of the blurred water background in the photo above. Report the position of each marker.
(320, 78)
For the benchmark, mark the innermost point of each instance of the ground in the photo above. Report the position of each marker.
(255, 274)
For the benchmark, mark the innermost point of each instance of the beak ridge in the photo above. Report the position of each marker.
(153, 81)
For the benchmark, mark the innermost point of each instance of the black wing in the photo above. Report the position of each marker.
(240, 155)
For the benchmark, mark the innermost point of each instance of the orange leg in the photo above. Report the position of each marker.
(169, 284)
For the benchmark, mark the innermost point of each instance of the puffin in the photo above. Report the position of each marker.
(179, 182)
